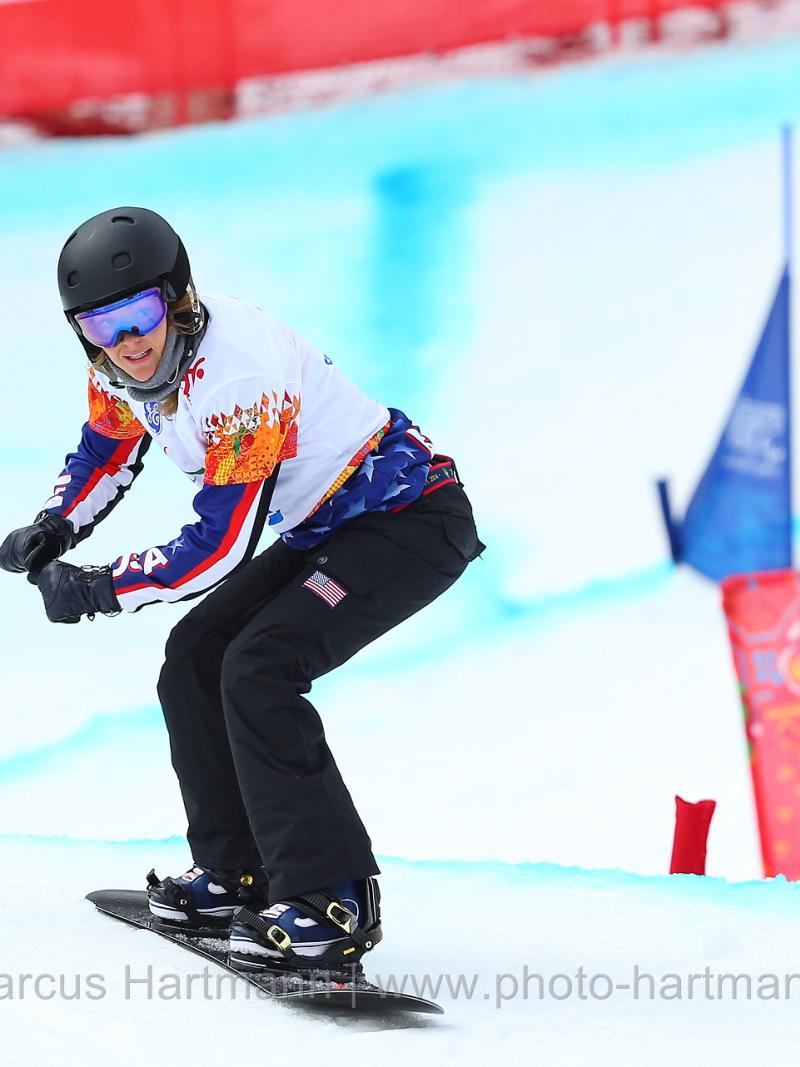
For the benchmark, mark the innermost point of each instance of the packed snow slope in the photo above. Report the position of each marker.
(561, 279)
(533, 964)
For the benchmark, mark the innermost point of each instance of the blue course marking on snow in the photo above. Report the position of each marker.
(774, 894)
(103, 729)
(64, 840)
(596, 594)
(755, 893)
(496, 611)
(418, 239)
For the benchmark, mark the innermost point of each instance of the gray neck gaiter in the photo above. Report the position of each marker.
(178, 352)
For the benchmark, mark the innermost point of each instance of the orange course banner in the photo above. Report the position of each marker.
(763, 613)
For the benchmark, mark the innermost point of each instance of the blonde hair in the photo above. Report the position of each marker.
(181, 317)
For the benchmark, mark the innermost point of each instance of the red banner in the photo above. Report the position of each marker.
(56, 52)
(763, 613)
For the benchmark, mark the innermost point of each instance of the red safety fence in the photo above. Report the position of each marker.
(55, 54)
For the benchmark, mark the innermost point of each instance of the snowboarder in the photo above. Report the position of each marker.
(372, 525)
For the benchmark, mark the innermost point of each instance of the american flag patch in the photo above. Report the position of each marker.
(325, 588)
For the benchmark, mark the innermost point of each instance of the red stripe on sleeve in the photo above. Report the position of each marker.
(234, 529)
(237, 519)
(119, 458)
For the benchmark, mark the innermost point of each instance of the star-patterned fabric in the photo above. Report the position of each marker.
(388, 478)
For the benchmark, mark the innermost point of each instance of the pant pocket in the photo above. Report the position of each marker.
(352, 565)
(462, 535)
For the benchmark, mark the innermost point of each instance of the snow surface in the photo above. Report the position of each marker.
(616, 929)
(562, 279)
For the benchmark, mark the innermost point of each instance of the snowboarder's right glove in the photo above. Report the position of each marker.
(70, 592)
(33, 547)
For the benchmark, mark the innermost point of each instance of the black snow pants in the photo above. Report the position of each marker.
(258, 780)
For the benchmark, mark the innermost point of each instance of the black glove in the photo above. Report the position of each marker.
(69, 592)
(33, 547)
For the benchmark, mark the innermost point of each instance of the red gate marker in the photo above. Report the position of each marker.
(691, 833)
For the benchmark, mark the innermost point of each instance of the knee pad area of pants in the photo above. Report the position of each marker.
(263, 660)
(187, 647)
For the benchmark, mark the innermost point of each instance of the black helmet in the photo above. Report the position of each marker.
(117, 253)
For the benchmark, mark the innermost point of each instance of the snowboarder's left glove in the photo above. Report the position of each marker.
(70, 592)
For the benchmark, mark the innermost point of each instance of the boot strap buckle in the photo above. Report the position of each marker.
(340, 916)
(279, 938)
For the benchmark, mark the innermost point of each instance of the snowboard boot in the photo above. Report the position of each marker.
(327, 929)
(204, 899)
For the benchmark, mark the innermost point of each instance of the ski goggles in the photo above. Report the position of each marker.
(137, 314)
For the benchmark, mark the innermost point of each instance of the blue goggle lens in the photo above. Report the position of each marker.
(137, 314)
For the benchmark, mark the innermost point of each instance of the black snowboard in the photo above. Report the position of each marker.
(352, 993)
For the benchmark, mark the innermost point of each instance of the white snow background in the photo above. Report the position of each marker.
(562, 279)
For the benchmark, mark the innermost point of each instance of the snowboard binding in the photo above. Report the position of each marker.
(202, 902)
(312, 931)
